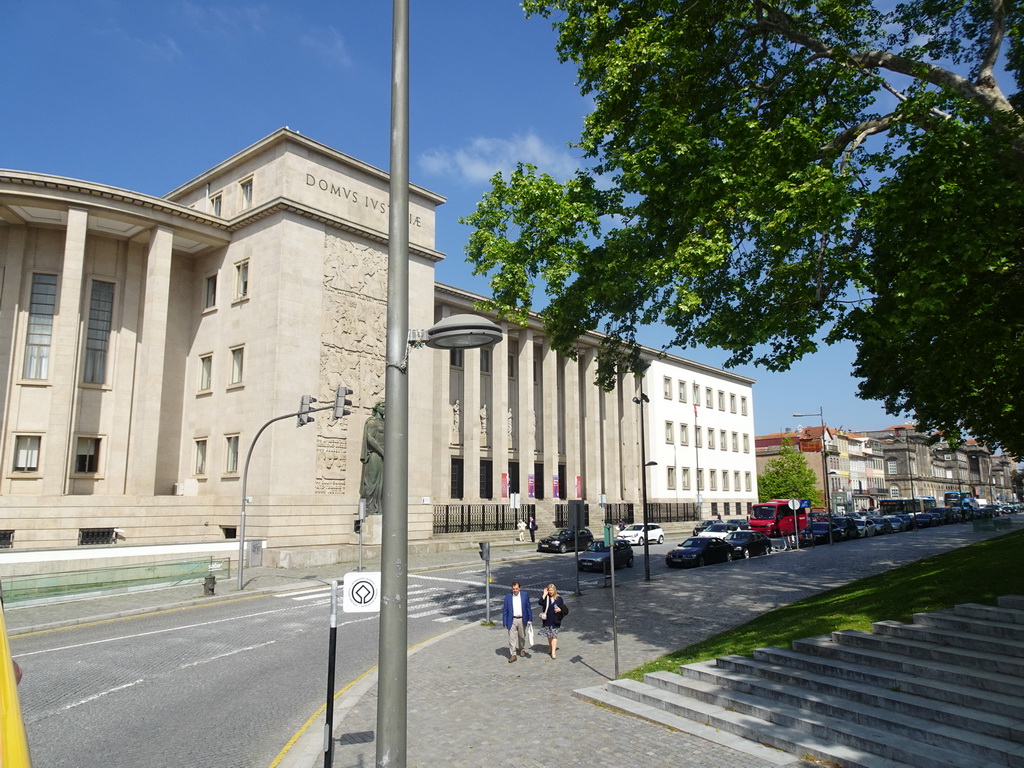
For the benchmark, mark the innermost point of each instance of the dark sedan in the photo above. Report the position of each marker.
(565, 539)
(847, 525)
(699, 550)
(882, 524)
(596, 556)
(748, 543)
(817, 533)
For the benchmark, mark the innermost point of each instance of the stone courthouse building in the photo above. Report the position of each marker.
(144, 343)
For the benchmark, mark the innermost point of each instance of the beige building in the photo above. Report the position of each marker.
(145, 343)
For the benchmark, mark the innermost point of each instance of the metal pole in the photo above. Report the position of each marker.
(332, 650)
(643, 481)
(824, 475)
(487, 588)
(392, 696)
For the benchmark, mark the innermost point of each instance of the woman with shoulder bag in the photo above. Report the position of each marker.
(553, 610)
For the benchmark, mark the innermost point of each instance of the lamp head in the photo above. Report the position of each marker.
(463, 331)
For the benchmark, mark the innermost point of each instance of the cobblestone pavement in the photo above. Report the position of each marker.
(469, 707)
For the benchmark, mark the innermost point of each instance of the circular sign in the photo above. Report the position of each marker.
(794, 504)
(363, 592)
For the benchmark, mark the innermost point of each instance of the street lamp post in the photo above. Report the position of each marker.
(824, 469)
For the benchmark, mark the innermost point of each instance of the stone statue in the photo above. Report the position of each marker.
(508, 420)
(371, 486)
(456, 431)
(483, 423)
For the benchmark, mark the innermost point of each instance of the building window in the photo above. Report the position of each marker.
(746, 443)
(685, 477)
(713, 480)
(237, 364)
(216, 204)
(709, 397)
(697, 432)
(210, 292)
(242, 279)
(87, 455)
(682, 391)
(732, 403)
(231, 456)
(97, 334)
(455, 360)
(743, 406)
(721, 400)
(670, 477)
(736, 442)
(891, 467)
(670, 432)
(735, 481)
(696, 393)
(711, 439)
(486, 479)
(747, 482)
(725, 480)
(42, 307)
(26, 453)
(668, 388)
(246, 190)
(684, 434)
(485, 367)
(722, 444)
(205, 373)
(456, 477)
(6, 539)
(700, 479)
(200, 464)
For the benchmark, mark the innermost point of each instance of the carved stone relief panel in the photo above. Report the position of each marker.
(352, 353)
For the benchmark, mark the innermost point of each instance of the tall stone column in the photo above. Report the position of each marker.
(471, 436)
(549, 383)
(573, 428)
(63, 373)
(499, 426)
(147, 412)
(525, 422)
(594, 443)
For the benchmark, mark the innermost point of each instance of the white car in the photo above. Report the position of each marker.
(718, 530)
(634, 534)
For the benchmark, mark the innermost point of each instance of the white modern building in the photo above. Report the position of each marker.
(145, 342)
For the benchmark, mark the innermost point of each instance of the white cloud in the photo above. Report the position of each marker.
(327, 44)
(481, 158)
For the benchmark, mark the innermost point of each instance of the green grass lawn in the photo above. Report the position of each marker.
(976, 574)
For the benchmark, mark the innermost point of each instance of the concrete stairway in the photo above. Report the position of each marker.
(947, 690)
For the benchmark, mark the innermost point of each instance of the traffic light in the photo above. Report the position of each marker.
(304, 407)
(340, 401)
(358, 525)
(485, 550)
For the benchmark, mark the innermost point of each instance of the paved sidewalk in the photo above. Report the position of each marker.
(468, 707)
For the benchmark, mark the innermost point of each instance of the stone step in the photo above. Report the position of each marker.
(878, 709)
(994, 713)
(927, 669)
(745, 715)
(991, 612)
(948, 636)
(720, 726)
(1016, 602)
(982, 627)
(961, 657)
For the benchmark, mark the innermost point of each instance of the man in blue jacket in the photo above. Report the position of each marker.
(516, 616)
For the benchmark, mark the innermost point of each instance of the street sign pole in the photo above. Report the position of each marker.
(332, 650)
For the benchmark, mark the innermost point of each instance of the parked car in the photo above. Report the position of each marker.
(595, 558)
(817, 533)
(865, 527)
(718, 530)
(564, 539)
(699, 550)
(741, 523)
(897, 523)
(848, 526)
(748, 543)
(908, 521)
(703, 525)
(882, 524)
(943, 515)
(634, 534)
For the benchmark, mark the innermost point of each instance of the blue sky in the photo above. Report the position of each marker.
(147, 95)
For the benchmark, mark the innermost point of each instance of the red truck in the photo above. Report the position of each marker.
(775, 518)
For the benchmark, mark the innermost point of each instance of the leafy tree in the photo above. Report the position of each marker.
(788, 476)
(765, 176)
